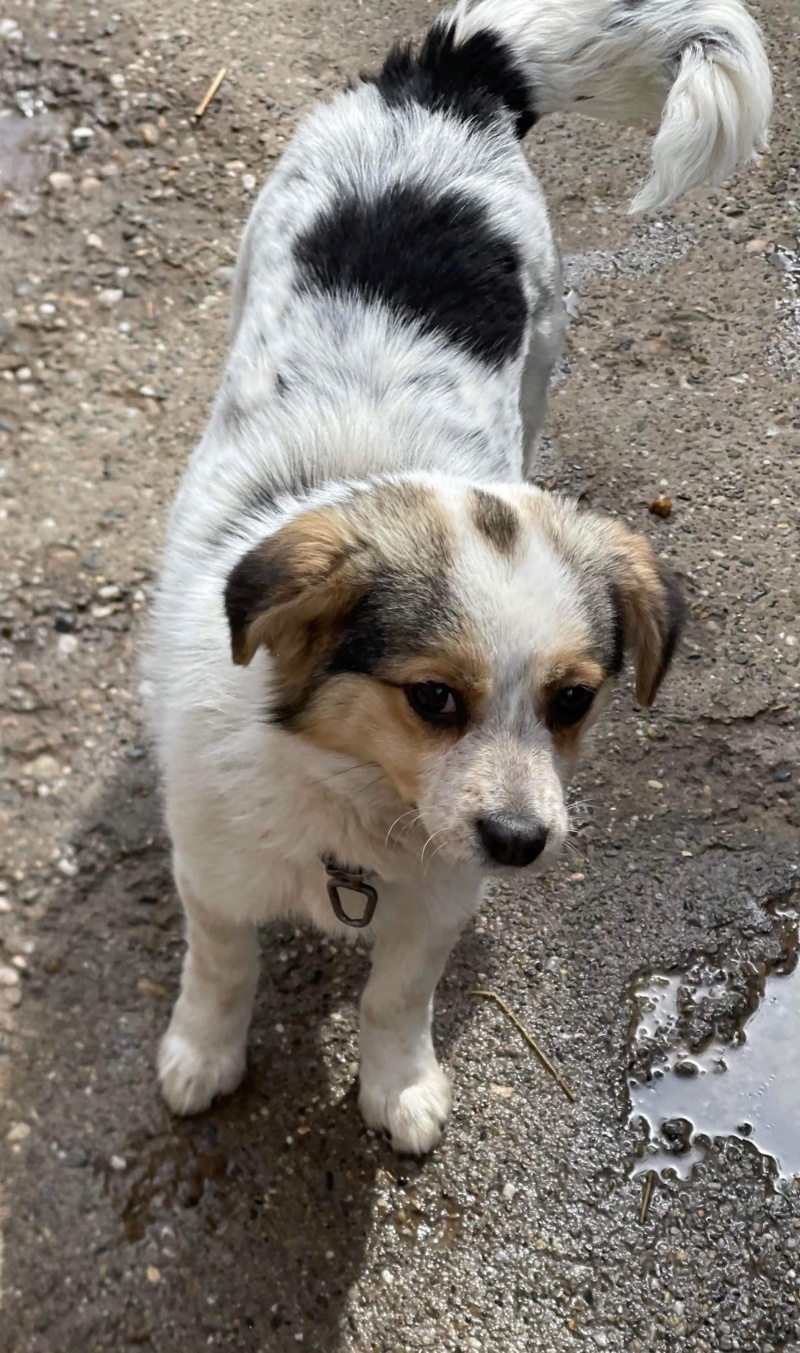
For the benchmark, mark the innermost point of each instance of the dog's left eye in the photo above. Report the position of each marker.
(570, 705)
(436, 703)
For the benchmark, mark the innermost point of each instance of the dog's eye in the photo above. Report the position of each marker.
(570, 705)
(436, 703)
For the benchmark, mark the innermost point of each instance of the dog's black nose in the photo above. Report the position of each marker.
(512, 839)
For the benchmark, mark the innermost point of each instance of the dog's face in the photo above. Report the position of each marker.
(463, 639)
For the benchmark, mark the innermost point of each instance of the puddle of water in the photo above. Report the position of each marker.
(29, 148)
(716, 1052)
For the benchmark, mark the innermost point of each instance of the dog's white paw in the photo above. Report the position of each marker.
(192, 1076)
(412, 1111)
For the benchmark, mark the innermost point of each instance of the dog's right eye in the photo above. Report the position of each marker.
(436, 703)
(570, 705)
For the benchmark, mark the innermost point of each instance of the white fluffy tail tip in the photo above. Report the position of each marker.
(715, 118)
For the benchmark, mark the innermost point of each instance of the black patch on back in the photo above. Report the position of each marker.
(475, 80)
(496, 520)
(434, 260)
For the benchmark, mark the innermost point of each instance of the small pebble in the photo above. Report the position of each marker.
(9, 977)
(120, 1163)
(153, 1274)
(18, 1132)
(60, 182)
(43, 768)
(150, 134)
(686, 1068)
(81, 136)
(660, 506)
(109, 297)
(502, 1091)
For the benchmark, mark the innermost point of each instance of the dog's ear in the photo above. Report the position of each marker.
(650, 608)
(292, 586)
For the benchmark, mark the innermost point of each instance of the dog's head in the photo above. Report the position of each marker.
(464, 639)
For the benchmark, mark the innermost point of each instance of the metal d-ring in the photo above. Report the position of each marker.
(344, 880)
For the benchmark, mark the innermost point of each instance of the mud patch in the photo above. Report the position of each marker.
(716, 1055)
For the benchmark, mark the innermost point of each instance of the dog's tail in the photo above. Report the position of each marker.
(696, 65)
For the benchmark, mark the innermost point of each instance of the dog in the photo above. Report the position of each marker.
(376, 650)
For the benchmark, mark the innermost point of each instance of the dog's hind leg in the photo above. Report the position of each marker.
(203, 1053)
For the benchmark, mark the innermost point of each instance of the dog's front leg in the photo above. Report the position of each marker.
(203, 1052)
(403, 1088)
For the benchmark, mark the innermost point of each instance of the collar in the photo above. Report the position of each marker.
(351, 879)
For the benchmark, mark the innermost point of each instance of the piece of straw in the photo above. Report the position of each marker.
(545, 1061)
(209, 94)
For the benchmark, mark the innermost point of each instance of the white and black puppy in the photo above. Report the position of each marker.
(419, 640)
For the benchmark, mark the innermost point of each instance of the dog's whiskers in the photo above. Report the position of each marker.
(407, 829)
(432, 837)
(440, 846)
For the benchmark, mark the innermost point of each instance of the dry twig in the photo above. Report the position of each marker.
(647, 1195)
(209, 94)
(545, 1061)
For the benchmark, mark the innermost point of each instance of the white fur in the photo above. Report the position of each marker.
(610, 59)
(364, 396)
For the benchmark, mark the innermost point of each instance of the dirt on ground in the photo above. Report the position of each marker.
(275, 1221)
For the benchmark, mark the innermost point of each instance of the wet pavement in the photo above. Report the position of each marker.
(664, 942)
(722, 1040)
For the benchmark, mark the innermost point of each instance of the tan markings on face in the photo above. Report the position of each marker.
(567, 668)
(368, 719)
(293, 591)
(457, 662)
(605, 552)
(496, 520)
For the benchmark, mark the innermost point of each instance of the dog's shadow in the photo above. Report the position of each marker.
(253, 1218)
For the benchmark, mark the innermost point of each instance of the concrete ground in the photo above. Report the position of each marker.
(275, 1222)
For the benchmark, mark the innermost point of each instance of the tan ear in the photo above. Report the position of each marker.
(287, 589)
(651, 610)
